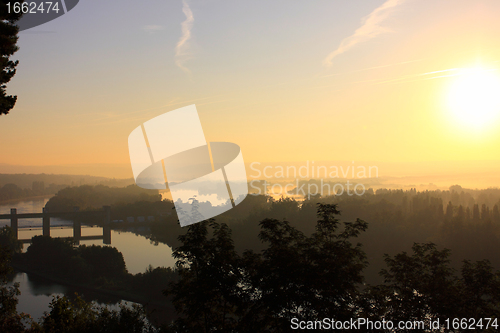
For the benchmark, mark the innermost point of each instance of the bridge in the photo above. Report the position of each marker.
(105, 214)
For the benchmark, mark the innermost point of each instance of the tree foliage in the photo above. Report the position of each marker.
(78, 316)
(91, 197)
(85, 264)
(306, 277)
(294, 277)
(423, 287)
(309, 278)
(10, 320)
(207, 294)
(8, 46)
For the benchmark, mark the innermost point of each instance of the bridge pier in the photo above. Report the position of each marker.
(77, 227)
(13, 221)
(106, 228)
(77, 231)
(46, 222)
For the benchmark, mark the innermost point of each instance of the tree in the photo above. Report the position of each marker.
(295, 276)
(8, 46)
(10, 320)
(480, 288)
(309, 278)
(421, 286)
(208, 293)
(79, 316)
(9, 240)
(104, 262)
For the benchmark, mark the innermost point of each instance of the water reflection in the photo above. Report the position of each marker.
(138, 251)
(35, 297)
(36, 293)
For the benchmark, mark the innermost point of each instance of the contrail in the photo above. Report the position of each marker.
(370, 28)
(182, 45)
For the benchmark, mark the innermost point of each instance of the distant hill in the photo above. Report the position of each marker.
(19, 186)
(25, 181)
(109, 170)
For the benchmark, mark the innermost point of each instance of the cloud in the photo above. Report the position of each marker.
(370, 28)
(181, 53)
(153, 28)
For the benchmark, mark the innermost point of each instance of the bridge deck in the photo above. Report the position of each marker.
(77, 226)
(28, 241)
(42, 215)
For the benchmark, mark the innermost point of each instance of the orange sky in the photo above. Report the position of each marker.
(325, 81)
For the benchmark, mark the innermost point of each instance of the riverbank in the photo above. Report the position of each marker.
(138, 252)
(162, 312)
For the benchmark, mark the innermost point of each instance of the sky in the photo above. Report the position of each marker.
(287, 81)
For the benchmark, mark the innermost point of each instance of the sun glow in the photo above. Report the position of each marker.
(474, 98)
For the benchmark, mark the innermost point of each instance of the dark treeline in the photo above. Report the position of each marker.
(94, 268)
(397, 219)
(98, 267)
(19, 186)
(465, 221)
(296, 278)
(88, 197)
(25, 180)
(11, 191)
(296, 281)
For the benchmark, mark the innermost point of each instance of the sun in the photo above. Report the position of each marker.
(474, 98)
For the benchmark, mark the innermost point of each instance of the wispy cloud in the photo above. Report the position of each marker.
(181, 49)
(370, 28)
(371, 68)
(439, 74)
(153, 28)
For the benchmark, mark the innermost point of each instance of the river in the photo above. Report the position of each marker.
(36, 293)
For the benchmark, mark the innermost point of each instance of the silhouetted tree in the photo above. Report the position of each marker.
(485, 212)
(103, 262)
(10, 320)
(78, 316)
(449, 210)
(207, 295)
(421, 286)
(496, 214)
(9, 241)
(480, 290)
(8, 46)
(295, 276)
(475, 212)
